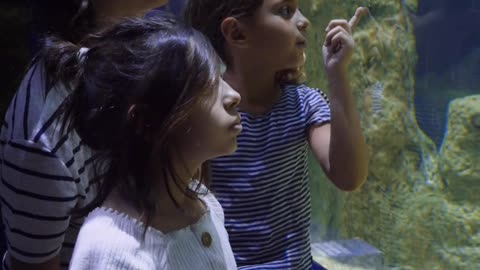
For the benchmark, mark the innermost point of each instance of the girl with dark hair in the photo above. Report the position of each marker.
(264, 186)
(148, 98)
(46, 174)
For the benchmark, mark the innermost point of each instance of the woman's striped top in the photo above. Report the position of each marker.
(44, 174)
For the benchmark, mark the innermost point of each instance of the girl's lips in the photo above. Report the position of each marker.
(237, 125)
(302, 44)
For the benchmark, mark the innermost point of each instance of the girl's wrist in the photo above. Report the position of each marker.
(336, 74)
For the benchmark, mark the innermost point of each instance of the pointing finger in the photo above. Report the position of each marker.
(359, 13)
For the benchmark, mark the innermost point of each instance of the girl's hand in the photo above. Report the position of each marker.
(339, 43)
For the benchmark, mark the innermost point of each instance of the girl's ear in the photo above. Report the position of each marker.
(137, 117)
(234, 32)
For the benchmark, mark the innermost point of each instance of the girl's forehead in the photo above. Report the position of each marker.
(268, 4)
(275, 2)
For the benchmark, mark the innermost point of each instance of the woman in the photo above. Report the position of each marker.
(46, 174)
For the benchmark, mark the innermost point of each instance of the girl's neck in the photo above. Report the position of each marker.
(172, 192)
(256, 85)
(169, 215)
(166, 219)
(185, 211)
(110, 11)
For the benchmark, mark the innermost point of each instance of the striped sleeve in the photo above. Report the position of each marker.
(37, 193)
(316, 106)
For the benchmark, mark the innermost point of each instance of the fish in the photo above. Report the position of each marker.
(377, 97)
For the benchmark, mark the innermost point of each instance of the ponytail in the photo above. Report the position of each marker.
(62, 60)
(65, 64)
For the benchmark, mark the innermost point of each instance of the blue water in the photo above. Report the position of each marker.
(446, 36)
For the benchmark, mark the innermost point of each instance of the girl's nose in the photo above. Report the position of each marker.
(234, 98)
(303, 23)
(231, 97)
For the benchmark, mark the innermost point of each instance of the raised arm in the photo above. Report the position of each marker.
(340, 147)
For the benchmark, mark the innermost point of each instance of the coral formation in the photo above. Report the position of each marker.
(418, 205)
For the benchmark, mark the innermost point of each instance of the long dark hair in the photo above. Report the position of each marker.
(206, 16)
(158, 63)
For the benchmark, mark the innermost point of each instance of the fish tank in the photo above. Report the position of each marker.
(416, 79)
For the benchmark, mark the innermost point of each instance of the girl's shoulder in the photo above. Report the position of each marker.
(106, 224)
(303, 89)
(209, 199)
(307, 94)
(109, 239)
(213, 205)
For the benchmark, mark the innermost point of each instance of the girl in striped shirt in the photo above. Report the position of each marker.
(263, 187)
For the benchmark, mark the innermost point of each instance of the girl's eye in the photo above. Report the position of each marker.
(286, 11)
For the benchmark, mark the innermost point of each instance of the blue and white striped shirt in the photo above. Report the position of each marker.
(264, 187)
(45, 174)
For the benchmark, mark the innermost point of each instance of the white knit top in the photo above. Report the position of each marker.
(109, 239)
